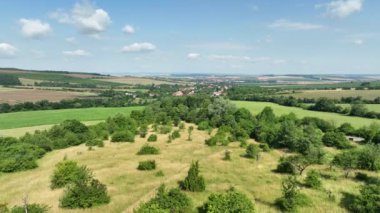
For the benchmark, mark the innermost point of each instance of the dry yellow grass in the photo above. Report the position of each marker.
(115, 165)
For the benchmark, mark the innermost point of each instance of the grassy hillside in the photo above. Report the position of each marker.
(370, 107)
(35, 118)
(115, 165)
(257, 107)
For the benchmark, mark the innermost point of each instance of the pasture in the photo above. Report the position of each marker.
(46, 117)
(257, 107)
(336, 94)
(115, 165)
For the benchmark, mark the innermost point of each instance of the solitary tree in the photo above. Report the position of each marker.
(190, 130)
(193, 182)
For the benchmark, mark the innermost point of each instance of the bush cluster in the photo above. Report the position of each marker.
(147, 165)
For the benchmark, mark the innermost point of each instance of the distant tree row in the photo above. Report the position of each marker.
(9, 80)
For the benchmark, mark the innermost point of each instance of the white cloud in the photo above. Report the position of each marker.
(34, 28)
(286, 24)
(128, 29)
(358, 41)
(86, 17)
(193, 55)
(76, 53)
(7, 50)
(71, 40)
(139, 47)
(343, 8)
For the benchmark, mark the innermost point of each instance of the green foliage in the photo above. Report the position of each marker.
(252, 151)
(160, 174)
(291, 198)
(84, 194)
(313, 180)
(152, 138)
(193, 182)
(181, 126)
(368, 201)
(68, 172)
(229, 202)
(264, 147)
(147, 165)
(165, 201)
(148, 150)
(123, 136)
(336, 139)
(285, 166)
(4, 208)
(347, 160)
(227, 155)
(143, 131)
(95, 142)
(7, 80)
(176, 134)
(203, 125)
(190, 131)
(19, 156)
(165, 129)
(32, 208)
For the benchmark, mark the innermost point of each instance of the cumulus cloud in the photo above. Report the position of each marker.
(139, 47)
(343, 8)
(76, 53)
(286, 24)
(193, 55)
(85, 17)
(7, 50)
(34, 28)
(128, 29)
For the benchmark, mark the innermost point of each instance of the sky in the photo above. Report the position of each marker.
(192, 36)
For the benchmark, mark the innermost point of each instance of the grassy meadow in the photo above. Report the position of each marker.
(46, 117)
(115, 165)
(336, 94)
(257, 107)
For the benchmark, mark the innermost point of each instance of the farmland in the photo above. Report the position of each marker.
(36, 118)
(257, 107)
(115, 165)
(135, 80)
(336, 94)
(13, 96)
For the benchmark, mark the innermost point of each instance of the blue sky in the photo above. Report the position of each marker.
(193, 36)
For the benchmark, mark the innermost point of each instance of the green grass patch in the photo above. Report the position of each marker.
(45, 117)
(257, 107)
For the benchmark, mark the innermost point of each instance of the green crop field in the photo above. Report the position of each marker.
(45, 117)
(257, 107)
(336, 94)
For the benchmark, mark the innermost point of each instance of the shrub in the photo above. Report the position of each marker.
(160, 174)
(67, 172)
(228, 202)
(3, 208)
(336, 139)
(252, 151)
(227, 155)
(181, 126)
(123, 136)
(291, 198)
(193, 182)
(143, 131)
(368, 201)
(147, 165)
(285, 166)
(148, 150)
(95, 142)
(203, 125)
(165, 129)
(176, 134)
(166, 201)
(313, 180)
(84, 194)
(32, 208)
(265, 147)
(152, 138)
